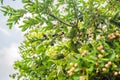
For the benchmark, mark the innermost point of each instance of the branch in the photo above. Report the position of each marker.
(75, 10)
(71, 25)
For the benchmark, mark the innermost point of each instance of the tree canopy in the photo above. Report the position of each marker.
(67, 39)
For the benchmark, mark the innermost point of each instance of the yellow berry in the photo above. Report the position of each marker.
(84, 52)
(119, 72)
(71, 73)
(100, 47)
(82, 78)
(109, 63)
(72, 69)
(71, 64)
(104, 69)
(115, 66)
(106, 65)
(115, 73)
(75, 65)
(102, 51)
(99, 55)
(117, 56)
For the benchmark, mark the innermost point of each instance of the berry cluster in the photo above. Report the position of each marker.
(72, 69)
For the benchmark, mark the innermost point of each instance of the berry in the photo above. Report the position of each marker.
(82, 78)
(71, 64)
(117, 33)
(115, 66)
(75, 65)
(102, 51)
(100, 47)
(109, 63)
(111, 36)
(84, 52)
(106, 65)
(72, 69)
(117, 56)
(100, 56)
(104, 69)
(115, 73)
(71, 73)
(80, 33)
(119, 72)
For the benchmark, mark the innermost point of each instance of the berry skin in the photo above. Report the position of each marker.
(102, 51)
(111, 36)
(100, 47)
(84, 53)
(119, 72)
(71, 73)
(117, 56)
(71, 64)
(115, 66)
(72, 69)
(80, 33)
(109, 63)
(117, 33)
(115, 73)
(104, 69)
(100, 56)
(82, 78)
(75, 65)
(106, 65)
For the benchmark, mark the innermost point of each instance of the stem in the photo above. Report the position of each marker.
(87, 77)
(59, 20)
(75, 10)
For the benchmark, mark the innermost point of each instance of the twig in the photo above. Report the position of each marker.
(75, 11)
(60, 20)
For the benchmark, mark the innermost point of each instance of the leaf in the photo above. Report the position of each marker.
(80, 25)
(10, 25)
(112, 56)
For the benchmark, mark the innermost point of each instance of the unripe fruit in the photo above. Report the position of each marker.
(71, 73)
(102, 37)
(104, 69)
(96, 63)
(106, 65)
(115, 73)
(100, 47)
(100, 56)
(84, 52)
(117, 33)
(115, 66)
(111, 36)
(72, 69)
(119, 72)
(97, 70)
(75, 65)
(71, 64)
(68, 71)
(80, 33)
(54, 54)
(82, 78)
(117, 56)
(109, 63)
(91, 35)
(102, 51)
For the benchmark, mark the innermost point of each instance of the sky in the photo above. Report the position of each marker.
(9, 42)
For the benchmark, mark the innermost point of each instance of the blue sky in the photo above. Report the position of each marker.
(9, 42)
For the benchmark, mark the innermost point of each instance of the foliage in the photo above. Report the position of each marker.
(68, 39)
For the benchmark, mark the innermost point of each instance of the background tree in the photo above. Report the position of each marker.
(68, 39)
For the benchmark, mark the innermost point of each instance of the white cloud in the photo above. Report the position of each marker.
(5, 31)
(7, 57)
